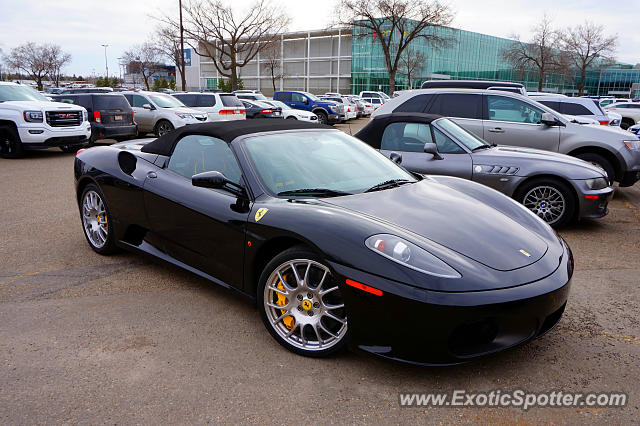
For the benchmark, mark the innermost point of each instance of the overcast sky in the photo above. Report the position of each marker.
(80, 27)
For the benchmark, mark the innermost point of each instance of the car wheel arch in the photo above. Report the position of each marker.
(82, 183)
(517, 193)
(608, 155)
(267, 251)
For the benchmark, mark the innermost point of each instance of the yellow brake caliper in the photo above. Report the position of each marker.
(106, 225)
(282, 300)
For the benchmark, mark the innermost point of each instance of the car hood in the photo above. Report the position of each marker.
(530, 159)
(41, 106)
(451, 219)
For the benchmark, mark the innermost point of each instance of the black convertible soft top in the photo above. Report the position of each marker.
(225, 130)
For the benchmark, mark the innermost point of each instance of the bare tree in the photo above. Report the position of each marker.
(231, 40)
(272, 62)
(541, 53)
(587, 47)
(57, 59)
(412, 63)
(395, 24)
(143, 59)
(30, 58)
(168, 43)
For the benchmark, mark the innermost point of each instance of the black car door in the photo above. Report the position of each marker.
(203, 228)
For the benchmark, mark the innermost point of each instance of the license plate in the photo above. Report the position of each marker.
(117, 117)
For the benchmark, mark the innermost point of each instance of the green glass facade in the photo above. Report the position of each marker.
(467, 56)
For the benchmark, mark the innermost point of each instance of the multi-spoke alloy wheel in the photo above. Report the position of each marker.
(545, 201)
(302, 306)
(551, 200)
(95, 220)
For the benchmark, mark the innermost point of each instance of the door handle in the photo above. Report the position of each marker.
(152, 175)
(496, 130)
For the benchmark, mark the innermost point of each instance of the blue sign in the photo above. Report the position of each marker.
(187, 57)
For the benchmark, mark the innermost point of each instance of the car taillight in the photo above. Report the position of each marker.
(242, 111)
(604, 122)
(96, 117)
(80, 150)
(266, 111)
(133, 116)
(226, 111)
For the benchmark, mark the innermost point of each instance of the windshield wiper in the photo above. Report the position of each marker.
(477, 148)
(388, 184)
(318, 192)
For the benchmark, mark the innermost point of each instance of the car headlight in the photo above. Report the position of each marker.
(634, 145)
(33, 116)
(410, 255)
(597, 183)
(184, 115)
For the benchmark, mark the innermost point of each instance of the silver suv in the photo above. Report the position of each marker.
(581, 107)
(510, 119)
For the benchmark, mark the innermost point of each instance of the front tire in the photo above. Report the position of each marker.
(97, 223)
(163, 127)
(10, 143)
(551, 200)
(291, 117)
(301, 305)
(323, 118)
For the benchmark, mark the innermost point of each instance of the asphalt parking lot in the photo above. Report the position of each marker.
(124, 339)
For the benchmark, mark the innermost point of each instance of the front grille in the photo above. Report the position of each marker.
(64, 118)
(340, 108)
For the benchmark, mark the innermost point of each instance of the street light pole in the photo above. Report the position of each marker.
(182, 65)
(106, 65)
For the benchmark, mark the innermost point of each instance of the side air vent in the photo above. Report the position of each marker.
(496, 170)
(127, 162)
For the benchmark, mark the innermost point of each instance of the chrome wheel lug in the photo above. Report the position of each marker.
(310, 313)
(300, 308)
(299, 297)
(316, 305)
(309, 296)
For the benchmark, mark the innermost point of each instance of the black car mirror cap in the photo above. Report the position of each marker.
(550, 120)
(216, 180)
(432, 148)
(395, 157)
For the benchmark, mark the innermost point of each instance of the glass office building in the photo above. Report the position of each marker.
(465, 55)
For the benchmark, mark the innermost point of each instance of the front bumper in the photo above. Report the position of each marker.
(42, 136)
(428, 327)
(336, 118)
(593, 203)
(100, 131)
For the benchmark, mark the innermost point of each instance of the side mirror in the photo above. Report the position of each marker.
(395, 157)
(432, 148)
(216, 180)
(147, 106)
(305, 101)
(549, 119)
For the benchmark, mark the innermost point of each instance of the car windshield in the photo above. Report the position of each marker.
(327, 160)
(166, 101)
(311, 96)
(470, 140)
(9, 92)
(280, 104)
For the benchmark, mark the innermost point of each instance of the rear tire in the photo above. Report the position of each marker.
(96, 220)
(10, 143)
(550, 199)
(600, 161)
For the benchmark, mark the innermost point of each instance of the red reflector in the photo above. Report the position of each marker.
(96, 116)
(364, 287)
(80, 150)
(604, 122)
(591, 197)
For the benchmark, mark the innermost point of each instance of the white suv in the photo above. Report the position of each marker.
(218, 106)
(160, 113)
(29, 120)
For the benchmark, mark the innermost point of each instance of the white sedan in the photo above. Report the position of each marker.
(293, 114)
